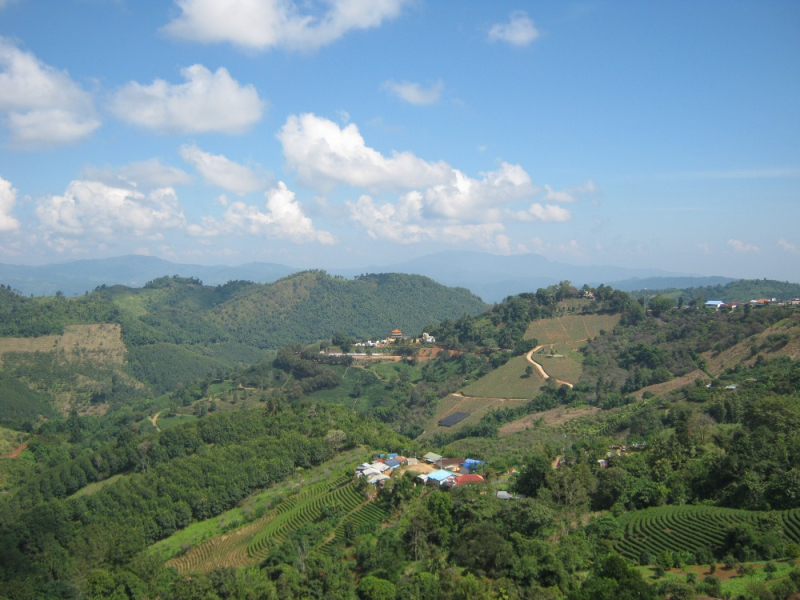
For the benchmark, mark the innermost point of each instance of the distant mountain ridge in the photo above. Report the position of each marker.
(490, 276)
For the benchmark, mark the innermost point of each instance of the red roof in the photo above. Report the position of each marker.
(469, 479)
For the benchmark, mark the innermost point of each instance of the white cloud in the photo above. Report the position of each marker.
(467, 199)
(152, 172)
(740, 246)
(321, 151)
(222, 172)
(704, 247)
(544, 213)
(786, 245)
(42, 106)
(403, 224)
(562, 196)
(283, 218)
(8, 197)
(147, 174)
(262, 24)
(519, 31)
(414, 93)
(207, 102)
(92, 208)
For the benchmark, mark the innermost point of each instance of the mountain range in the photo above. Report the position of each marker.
(492, 277)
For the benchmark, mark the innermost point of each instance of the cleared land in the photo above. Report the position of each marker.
(99, 343)
(507, 381)
(476, 407)
(553, 417)
(570, 328)
(742, 353)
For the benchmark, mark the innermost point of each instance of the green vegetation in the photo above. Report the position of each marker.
(668, 469)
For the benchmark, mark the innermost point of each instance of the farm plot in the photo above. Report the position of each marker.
(507, 381)
(253, 542)
(476, 407)
(692, 528)
(564, 362)
(570, 328)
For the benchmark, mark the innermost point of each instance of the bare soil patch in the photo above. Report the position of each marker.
(668, 386)
(552, 418)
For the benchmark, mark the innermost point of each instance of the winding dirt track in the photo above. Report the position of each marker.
(539, 367)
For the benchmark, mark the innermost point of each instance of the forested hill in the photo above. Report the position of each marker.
(742, 290)
(313, 305)
(176, 329)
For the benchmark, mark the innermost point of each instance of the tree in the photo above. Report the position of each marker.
(660, 305)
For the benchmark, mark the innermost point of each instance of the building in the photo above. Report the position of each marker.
(396, 334)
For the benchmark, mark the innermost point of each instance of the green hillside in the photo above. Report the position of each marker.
(742, 290)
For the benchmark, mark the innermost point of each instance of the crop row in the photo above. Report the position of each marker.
(364, 517)
(689, 528)
(231, 549)
(307, 509)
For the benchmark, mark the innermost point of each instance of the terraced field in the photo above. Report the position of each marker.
(691, 528)
(253, 542)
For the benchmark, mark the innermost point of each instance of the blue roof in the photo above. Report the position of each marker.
(440, 475)
(392, 463)
(472, 461)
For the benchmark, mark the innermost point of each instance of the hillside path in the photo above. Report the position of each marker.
(539, 367)
(154, 420)
(17, 451)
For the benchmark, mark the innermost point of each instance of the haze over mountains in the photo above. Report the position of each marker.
(490, 276)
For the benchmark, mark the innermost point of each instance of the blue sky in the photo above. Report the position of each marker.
(365, 132)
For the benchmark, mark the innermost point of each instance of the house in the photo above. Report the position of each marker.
(411, 462)
(396, 334)
(465, 479)
(453, 464)
(428, 339)
(393, 463)
(471, 464)
(715, 304)
(379, 478)
(503, 495)
(432, 457)
(439, 477)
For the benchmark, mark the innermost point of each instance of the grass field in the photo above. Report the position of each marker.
(570, 328)
(91, 488)
(567, 363)
(507, 381)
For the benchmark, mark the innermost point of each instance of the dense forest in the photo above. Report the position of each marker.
(660, 461)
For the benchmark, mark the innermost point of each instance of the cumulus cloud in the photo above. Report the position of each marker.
(8, 197)
(207, 102)
(402, 223)
(283, 218)
(786, 245)
(465, 198)
(92, 208)
(41, 106)
(222, 172)
(740, 246)
(414, 93)
(321, 151)
(519, 31)
(263, 24)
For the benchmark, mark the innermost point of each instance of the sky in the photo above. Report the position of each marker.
(342, 133)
